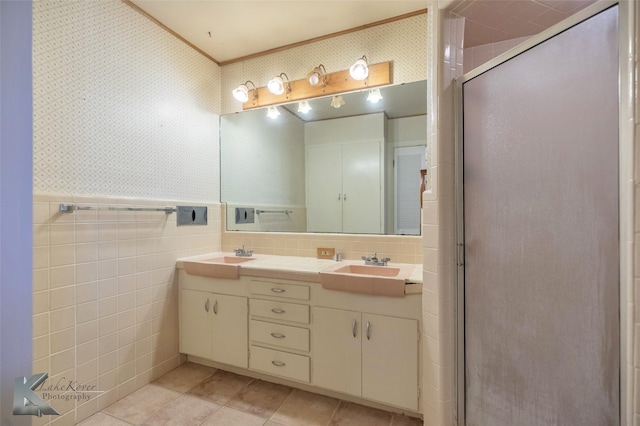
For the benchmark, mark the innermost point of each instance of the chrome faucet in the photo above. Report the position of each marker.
(373, 260)
(242, 253)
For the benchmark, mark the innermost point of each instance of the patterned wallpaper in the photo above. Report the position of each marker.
(403, 42)
(121, 107)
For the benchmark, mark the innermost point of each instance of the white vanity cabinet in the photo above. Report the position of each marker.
(367, 355)
(213, 326)
(356, 346)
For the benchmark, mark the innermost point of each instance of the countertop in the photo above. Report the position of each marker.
(297, 268)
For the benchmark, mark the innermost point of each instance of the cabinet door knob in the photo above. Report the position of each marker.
(344, 197)
(215, 307)
(339, 196)
(354, 327)
(278, 363)
(277, 311)
(206, 305)
(278, 290)
(278, 335)
(368, 330)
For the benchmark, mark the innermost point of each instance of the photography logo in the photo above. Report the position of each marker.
(27, 402)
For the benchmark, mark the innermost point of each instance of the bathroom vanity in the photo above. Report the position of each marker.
(273, 319)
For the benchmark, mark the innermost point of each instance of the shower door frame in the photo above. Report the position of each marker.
(626, 193)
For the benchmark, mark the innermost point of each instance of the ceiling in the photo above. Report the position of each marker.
(490, 21)
(230, 29)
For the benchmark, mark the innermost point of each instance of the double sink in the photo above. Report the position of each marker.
(340, 276)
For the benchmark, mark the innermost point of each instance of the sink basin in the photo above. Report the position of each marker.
(378, 271)
(217, 267)
(367, 279)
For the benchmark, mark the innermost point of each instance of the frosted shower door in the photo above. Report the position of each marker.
(542, 343)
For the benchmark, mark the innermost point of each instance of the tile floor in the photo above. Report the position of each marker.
(196, 395)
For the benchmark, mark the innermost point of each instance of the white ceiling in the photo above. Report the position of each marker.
(230, 29)
(239, 28)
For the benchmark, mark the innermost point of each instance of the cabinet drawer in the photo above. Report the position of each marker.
(280, 310)
(277, 289)
(279, 363)
(279, 335)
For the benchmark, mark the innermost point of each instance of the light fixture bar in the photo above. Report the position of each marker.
(337, 83)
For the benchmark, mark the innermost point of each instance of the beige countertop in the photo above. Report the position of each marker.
(299, 268)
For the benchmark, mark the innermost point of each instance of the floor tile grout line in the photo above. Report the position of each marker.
(279, 406)
(335, 410)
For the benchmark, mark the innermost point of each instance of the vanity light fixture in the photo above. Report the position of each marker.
(318, 75)
(337, 101)
(360, 69)
(318, 83)
(241, 93)
(272, 112)
(277, 85)
(304, 107)
(374, 95)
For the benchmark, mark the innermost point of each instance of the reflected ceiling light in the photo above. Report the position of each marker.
(241, 93)
(337, 101)
(272, 112)
(317, 75)
(304, 107)
(277, 85)
(360, 69)
(374, 96)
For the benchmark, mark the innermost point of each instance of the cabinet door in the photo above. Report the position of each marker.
(230, 330)
(362, 188)
(390, 360)
(195, 323)
(336, 350)
(324, 188)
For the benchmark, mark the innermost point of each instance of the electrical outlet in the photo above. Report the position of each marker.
(325, 252)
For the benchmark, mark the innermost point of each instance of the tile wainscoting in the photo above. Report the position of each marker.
(105, 295)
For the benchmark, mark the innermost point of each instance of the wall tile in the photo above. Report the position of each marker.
(62, 276)
(86, 332)
(63, 340)
(62, 318)
(62, 255)
(86, 252)
(62, 297)
(86, 292)
(62, 234)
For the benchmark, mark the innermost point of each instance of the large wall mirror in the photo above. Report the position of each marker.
(353, 169)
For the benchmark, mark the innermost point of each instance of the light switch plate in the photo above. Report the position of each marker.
(326, 252)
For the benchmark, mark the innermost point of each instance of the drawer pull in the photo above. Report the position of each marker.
(278, 335)
(215, 307)
(278, 363)
(277, 311)
(354, 327)
(278, 290)
(368, 330)
(206, 305)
